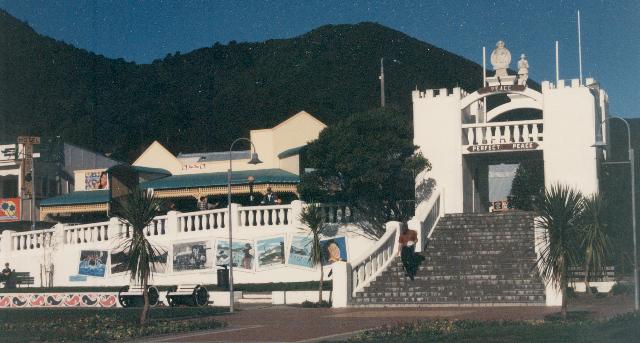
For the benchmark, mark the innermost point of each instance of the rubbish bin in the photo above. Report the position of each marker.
(223, 277)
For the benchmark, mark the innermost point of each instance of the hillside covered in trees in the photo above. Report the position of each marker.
(202, 100)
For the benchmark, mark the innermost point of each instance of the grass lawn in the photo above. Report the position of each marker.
(98, 325)
(623, 328)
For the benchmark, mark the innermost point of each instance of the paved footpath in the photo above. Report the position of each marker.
(293, 324)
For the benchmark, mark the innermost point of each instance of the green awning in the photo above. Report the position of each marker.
(291, 152)
(220, 179)
(78, 198)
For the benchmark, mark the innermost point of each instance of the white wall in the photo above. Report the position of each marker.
(569, 132)
(437, 131)
(65, 256)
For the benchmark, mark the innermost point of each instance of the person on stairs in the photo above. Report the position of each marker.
(406, 249)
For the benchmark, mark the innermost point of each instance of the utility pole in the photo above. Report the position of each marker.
(28, 174)
(381, 77)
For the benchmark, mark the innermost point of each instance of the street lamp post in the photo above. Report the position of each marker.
(254, 160)
(601, 144)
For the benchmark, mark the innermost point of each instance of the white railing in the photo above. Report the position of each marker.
(157, 227)
(277, 216)
(527, 131)
(31, 240)
(336, 213)
(265, 216)
(202, 220)
(427, 216)
(87, 233)
(376, 260)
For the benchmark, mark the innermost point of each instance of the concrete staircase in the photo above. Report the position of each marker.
(471, 260)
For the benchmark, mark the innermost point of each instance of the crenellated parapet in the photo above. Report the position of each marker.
(435, 94)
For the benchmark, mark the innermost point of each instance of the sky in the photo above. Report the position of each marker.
(142, 31)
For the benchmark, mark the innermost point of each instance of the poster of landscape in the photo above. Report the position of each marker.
(300, 251)
(243, 254)
(270, 252)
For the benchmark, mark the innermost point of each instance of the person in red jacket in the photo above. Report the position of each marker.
(406, 249)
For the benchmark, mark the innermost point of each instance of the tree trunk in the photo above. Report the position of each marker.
(586, 272)
(145, 308)
(563, 285)
(321, 279)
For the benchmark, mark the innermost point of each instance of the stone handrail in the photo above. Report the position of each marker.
(265, 216)
(525, 131)
(427, 215)
(202, 220)
(157, 227)
(336, 213)
(31, 240)
(376, 260)
(87, 233)
(247, 217)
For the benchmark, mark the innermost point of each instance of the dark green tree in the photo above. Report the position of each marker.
(595, 241)
(527, 185)
(560, 213)
(368, 161)
(138, 210)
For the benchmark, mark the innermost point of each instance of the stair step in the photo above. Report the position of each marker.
(470, 260)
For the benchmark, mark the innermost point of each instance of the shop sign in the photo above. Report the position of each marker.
(9, 209)
(502, 147)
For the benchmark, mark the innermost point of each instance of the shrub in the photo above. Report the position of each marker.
(310, 304)
(621, 288)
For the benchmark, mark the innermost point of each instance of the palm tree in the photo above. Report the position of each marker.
(138, 210)
(595, 242)
(313, 217)
(559, 212)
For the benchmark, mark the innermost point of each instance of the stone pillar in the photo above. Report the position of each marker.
(297, 206)
(173, 223)
(235, 216)
(114, 228)
(342, 284)
(5, 244)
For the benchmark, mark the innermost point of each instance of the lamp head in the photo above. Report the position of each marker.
(254, 159)
(600, 145)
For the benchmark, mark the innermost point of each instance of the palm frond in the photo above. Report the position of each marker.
(595, 240)
(138, 209)
(560, 211)
(313, 217)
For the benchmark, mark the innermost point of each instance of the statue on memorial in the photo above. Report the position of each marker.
(523, 70)
(500, 59)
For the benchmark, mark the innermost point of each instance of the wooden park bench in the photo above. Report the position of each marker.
(190, 294)
(576, 274)
(23, 278)
(131, 296)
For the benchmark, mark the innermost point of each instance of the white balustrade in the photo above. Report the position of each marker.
(502, 132)
(32, 239)
(365, 269)
(87, 233)
(265, 216)
(202, 220)
(371, 264)
(336, 213)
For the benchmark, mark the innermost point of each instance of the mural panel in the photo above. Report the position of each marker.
(270, 252)
(192, 256)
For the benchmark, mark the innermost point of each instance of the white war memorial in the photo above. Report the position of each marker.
(461, 135)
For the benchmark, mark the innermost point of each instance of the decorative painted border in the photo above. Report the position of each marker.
(24, 300)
